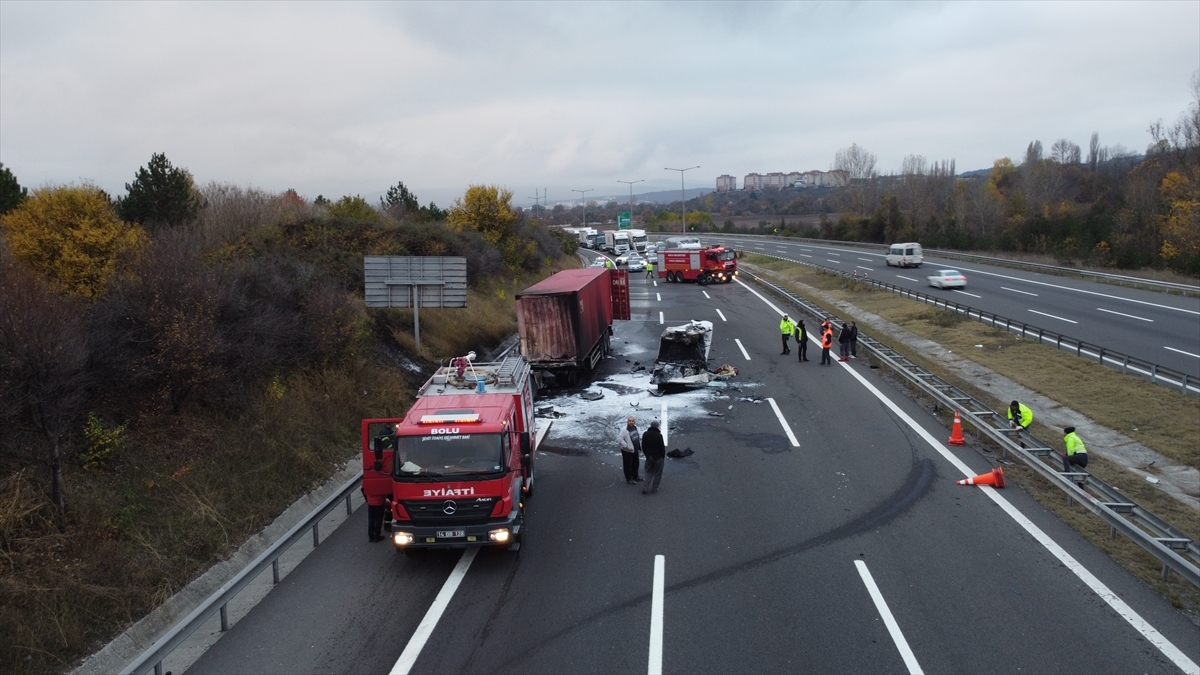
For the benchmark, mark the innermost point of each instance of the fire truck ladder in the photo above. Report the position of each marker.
(511, 370)
(1122, 514)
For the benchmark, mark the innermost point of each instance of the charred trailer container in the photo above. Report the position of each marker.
(565, 322)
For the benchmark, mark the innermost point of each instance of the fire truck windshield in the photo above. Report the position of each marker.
(727, 255)
(443, 455)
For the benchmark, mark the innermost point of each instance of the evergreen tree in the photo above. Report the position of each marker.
(160, 195)
(11, 192)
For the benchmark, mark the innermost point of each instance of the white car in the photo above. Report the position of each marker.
(599, 262)
(948, 279)
(636, 263)
(621, 260)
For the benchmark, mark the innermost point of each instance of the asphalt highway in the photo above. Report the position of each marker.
(1159, 328)
(848, 549)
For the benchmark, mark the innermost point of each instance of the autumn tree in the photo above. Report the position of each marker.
(71, 236)
(11, 192)
(488, 210)
(354, 208)
(160, 195)
(858, 166)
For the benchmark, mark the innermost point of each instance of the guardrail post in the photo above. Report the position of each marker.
(158, 668)
(1102, 356)
(1058, 344)
(1166, 572)
(1008, 324)
(1040, 330)
(224, 618)
(1183, 383)
(1153, 373)
(275, 571)
(1125, 366)
(349, 511)
(316, 533)
(1078, 348)
(1112, 532)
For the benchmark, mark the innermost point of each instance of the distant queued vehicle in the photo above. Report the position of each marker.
(948, 279)
(622, 260)
(636, 263)
(599, 262)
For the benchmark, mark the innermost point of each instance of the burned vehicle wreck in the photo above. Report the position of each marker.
(683, 356)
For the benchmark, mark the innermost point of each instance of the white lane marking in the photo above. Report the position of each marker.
(901, 276)
(1123, 610)
(966, 293)
(805, 256)
(662, 423)
(1006, 288)
(739, 344)
(658, 297)
(1080, 290)
(1052, 316)
(837, 254)
(656, 616)
(864, 268)
(706, 295)
(833, 261)
(1139, 318)
(655, 282)
(906, 653)
(760, 297)
(721, 315)
(786, 426)
(660, 317)
(867, 259)
(1183, 352)
(779, 250)
(807, 249)
(417, 642)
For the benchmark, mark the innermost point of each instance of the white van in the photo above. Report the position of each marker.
(905, 255)
(686, 243)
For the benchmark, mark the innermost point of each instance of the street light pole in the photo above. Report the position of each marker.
(631, 183)
(682, 192)
(583, 206)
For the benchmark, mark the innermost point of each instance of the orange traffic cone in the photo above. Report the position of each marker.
(995, 478)
(956, 431)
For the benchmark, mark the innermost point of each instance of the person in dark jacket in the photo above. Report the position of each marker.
(656, 453)
(853, 340)
(844, 343)
(801, 341)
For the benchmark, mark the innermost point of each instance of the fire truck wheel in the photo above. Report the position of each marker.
(527, 488)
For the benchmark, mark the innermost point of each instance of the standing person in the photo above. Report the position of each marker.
(786, 328)
(1076, 453)
(1019, 415)
(377, 505)
(826, 345)
(631, 444)
(853, 340)
(844, 343)
(649, 269)
(801, 341)
(656, 453)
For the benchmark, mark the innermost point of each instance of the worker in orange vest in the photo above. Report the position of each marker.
(826, 344)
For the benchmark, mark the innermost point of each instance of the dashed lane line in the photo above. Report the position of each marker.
(739, 344)
(1053, 317)
(722, 315)
(786, 427)
(660, 317)
(901, 276)
(706, 295)
(1130, 316)
(1197, 356)
(906, 653)
(966, 293)
(1006, 288)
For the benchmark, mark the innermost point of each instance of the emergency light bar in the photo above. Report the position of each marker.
(449, 419)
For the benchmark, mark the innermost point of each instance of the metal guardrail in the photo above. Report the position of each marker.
(1160, 375)
(218, 601)
(1120, 279)
(1122, 514)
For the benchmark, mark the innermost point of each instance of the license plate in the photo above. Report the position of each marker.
(451, 534)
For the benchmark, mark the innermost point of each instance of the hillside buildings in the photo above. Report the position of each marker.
(777, 180)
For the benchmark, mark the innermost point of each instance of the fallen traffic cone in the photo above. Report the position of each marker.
(956, 431)
(995, 478)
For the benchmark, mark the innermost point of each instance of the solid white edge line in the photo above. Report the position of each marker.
(417, 642)
(1006, 288)
(662, 423)
(1053, 317)
(786, 426)
(660, 317)
(1130, 316)
(739, 344)
(906, 653)
(1182, 352)
(1098, 587)
(722, 315)
(760, 297)
(656, 616)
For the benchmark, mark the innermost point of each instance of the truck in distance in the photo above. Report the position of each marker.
(456, 470)
(616, 241)
(638, 240)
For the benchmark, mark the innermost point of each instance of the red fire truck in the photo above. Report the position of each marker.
(456, 470)
(716, 264)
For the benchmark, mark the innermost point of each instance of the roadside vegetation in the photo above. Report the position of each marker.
(1159, 418)
(179, 364)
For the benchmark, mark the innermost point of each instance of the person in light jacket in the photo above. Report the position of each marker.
(631, 444)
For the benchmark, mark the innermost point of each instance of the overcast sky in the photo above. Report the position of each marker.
(345, 98)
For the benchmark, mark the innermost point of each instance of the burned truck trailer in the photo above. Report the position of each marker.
(683, 356)
(565, 322)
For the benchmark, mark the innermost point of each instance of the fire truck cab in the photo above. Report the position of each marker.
(456, 470)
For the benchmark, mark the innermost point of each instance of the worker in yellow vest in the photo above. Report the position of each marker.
(1076, 453)
(1019, 415)
(786, 328)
